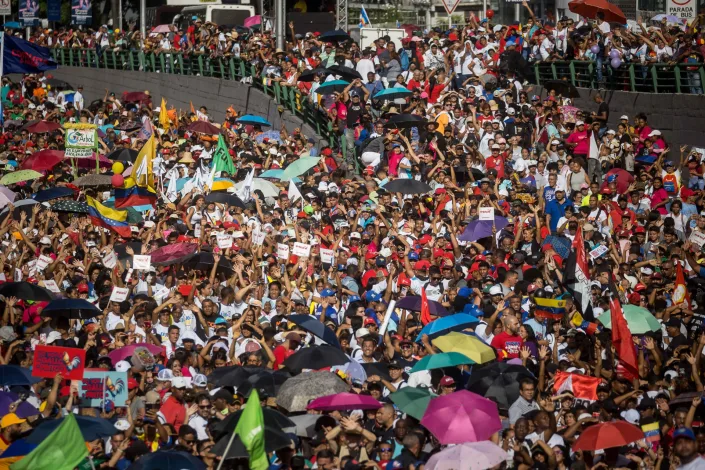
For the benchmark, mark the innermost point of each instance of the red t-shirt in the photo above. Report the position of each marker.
(281, 353)
(507, 346)
(174, 412)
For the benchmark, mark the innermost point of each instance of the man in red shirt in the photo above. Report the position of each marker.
(286, 349)
(496, 161)
(508, 343)
(174, 409)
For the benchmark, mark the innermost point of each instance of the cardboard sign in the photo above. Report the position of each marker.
(43, 262)
(110, 260)
(119, 294)
(258, 238)
(302, 249)
(283, 251)
(51, 360)
(51, 286)
(225, 241)
(486, 213)
(697, 239)
(327, 255)
(98, 388)
(141, 262)
(599, 250)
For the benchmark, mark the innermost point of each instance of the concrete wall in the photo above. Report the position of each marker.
(217, 95)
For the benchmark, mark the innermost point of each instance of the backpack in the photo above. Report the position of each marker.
(404, 60)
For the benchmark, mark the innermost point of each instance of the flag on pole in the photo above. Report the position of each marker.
(425, 309)
(680, 291)
(294, 193)
(581, 386)
(63, 449)
(364, 19)
(139, 189)
(146, 131)
(549, 309)
(622, 342)
(245, 192)
(576, 277)
(104, 216)
(222, 161)
(250, 428)
(164, 120)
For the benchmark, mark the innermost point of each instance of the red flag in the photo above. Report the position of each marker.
(425, 310)
(581, 386)
(622, 341)
(680, 291)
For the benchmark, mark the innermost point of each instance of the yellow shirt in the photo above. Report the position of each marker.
(442, 119)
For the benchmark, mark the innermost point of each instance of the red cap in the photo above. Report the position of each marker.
(685, 192)
(640, 230)
(440, 191)
(404, 281)
(369, 321)
(423, 264)
(327, 152)
(531, 288)
(639, 287)
(625, 233)
(132, 384)
(227, 225)
(634, 298)
(606, 191)
(447, 381)
(83, 288)
(425, 239)
(371, 255)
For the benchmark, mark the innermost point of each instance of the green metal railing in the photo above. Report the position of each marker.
(289, 98)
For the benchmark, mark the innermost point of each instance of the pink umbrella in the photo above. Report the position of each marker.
(344, 401)
(89, 163)
(172, 254)
(471, 456)
(252, 21)
(6, 196)
(127, 351)
(461, 417)
(161, 29)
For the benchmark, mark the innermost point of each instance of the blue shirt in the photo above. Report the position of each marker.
(556, 211)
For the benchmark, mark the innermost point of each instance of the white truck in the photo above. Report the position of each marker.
(369, 35)
(220, 12)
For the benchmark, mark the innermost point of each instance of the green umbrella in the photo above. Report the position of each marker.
(299, 167)
(19, 176)
(639, 320)
(70, 206)
(412, 400)
(133, 216)
(439, 361)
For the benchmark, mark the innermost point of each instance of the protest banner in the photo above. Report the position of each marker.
(99, 387)
(52, 360)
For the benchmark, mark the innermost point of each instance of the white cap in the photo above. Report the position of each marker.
(323, 186)
(165, 375)
(654, 133)
(555, 142)
(631, 416)
(199, 380)
(333, 188)
(122, 366)
(122, 425)
(647, 271)
(362, 332)
(624, 116)
(45, 241)
(495, 290)
(579, 123)
(356, 235)
(53, 336)
(180, 382)
(520, 166)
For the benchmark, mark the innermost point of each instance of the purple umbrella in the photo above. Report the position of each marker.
(24, 409)
(6, 196)
(344, 401)
(127, 351)
(461, 417)
(482, 228)
(172, 254)
(413, 303)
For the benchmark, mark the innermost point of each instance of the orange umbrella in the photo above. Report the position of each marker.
(589, 9)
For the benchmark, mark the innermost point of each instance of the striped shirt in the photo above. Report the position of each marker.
(520, 407)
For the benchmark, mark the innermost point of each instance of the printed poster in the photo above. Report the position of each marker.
(5, 7)
(53, 10)
(51, 360)
(98, 388)
(81, 12)
(29, 12)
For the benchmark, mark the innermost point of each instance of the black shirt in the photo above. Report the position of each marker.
(355, 110)
(603, 108)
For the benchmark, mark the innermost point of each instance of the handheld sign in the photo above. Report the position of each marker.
(52, 360)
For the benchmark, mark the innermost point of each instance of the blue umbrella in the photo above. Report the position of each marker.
(413, 303)
(333, 86)
(16, 375)
(316, 328)
(168, 460)
(72, 308)
(91, 428)
(561, 245)
(442, 326)
(253, 120)
(12, 25)
(335, 36)
(478, 229)
(277, 175)
(270, 135)
(53, 193)
(392, 93)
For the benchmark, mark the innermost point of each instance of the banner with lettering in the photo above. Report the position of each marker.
(101, 388)
(81, 12)
(22, 56)
(51, 360)
(29, 12)
(81, 140)
(54, 10)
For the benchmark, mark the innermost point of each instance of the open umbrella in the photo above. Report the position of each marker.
(15, 375)
(134, 96)
(58, 83)
(123, 155)
(337, 35)
(405, 121)
(608, 435)
(353, 370)
(161, 29)
(124, 352)
(204, 261)
(669, 19)
(53, 193)
(499, 382)
(393, 93)
(441, 361)
(639, 319)
(344, 401)
(560, 244)
(478, 229)
(377, 368)
(590, 8)
(93, 180)
(232, 376)
(172, 254)
(71, 308)
(274, 439)
(249, 119)
(267, 382)
(412, 400)
(25, 291)
(332, 86)
(91, 428)
(23, 410)
(272, 418)
(310, 75)
(224, 197)
(315, 357)
(203, 127)
(12, 25)
(304, 425)
(267, 188)
(413, 303)
(299, 167)
(346, 73)
(299, 390)
(70, 206)
(467, 345)
(219, 184)
(129, 126)
(316, 328)
(168, 460)
(468, 456)
(407, 186)
(19, 176)
(622, 177)
(461, 417)
(561, 87)
(271, 135)
(443, 326)
(276, 174)
(41, 127)
(7, 193)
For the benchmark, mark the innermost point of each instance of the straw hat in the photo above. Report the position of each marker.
(187, 158)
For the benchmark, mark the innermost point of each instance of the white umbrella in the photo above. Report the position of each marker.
(268, 189)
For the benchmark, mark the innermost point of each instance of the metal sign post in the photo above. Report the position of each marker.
(450, 6)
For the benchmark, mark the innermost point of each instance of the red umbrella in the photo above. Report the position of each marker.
(607, 435)
(589, 9)
(42, 127)
(344, 401)
(135, 96)
(203, 127)
(622, 177)
(43, 160)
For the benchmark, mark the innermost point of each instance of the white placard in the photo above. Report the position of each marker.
(598, 251)
(387, 317)
(327, 255)
(110, 260)
(486, 213)
(225, 241)
(258, 238)
(697, 239)
(302, 249)
(141, 262)
(283, 251)
(43, 262)
(32, 265)
(119, 294)
(51, 286)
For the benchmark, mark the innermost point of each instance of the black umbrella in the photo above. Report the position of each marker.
(224, 197)
(233, 376)
(315, 357)
(316, 328)
(25, 291)
(121, 249)
(53, 193)
(92, 428)
(337, 35)
(204, 261)
(346, 73)
(272, 418)
(168, 460)
(266, 382)
(499, 382)
(309, 75)
(477, 174)
(407, 186)
(561, 87)
(377, 368)
(58, 83)
(405, 121)
(274, 439)
(71, 308)
(123, 155)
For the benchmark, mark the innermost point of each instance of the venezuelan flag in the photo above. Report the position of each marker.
(651, 432)
(138, 189)
(16, 451)
(549, 309)
(112, 219)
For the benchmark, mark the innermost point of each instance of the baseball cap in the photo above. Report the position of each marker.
(369, 321)
(199, 380)
(122, 366)
(394, 365)
(180, 382)
(447, 381)
(10, 419)
(680, 432)
(495, 290)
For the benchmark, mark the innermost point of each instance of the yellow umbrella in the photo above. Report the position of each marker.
(222, 184)
(470, 346)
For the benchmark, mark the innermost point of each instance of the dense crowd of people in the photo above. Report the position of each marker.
(483, 278)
